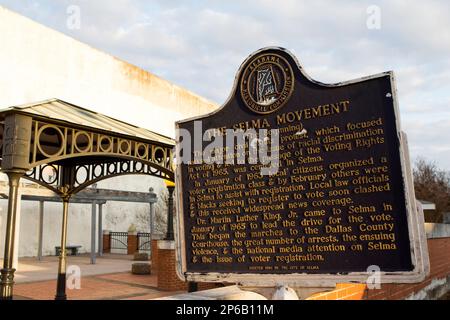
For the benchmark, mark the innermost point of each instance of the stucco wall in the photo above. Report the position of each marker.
(38, 63)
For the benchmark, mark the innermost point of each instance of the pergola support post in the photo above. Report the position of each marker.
(61, 280)
(152, 210)
(41, 229)
(7, 273)
(93, 227)
(100, 229)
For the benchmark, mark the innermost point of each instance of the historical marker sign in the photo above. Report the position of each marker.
(339, 204)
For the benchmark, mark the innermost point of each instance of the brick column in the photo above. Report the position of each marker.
(132, 242)
(154, 252)
(154, 257)
(106, 242)
(166, 268)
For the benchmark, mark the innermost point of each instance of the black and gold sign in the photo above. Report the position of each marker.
(267, 83)
(338, 203)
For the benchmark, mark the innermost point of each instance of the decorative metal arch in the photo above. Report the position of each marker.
(50, 175)
(66, 148)
(92, 157)
(76, 143)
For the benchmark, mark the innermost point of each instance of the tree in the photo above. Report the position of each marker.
(432, 184)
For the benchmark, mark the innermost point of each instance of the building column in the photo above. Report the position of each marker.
(61, 280)
(93, 227)
(7, 273)
(100, 229)
(41, 229)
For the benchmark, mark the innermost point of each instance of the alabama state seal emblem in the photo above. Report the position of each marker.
(267, 83)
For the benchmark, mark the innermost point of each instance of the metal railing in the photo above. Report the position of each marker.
(144, 242)
(119, 241)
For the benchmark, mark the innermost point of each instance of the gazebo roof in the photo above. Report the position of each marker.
(66, 148)
(59, 110)
(60, 144)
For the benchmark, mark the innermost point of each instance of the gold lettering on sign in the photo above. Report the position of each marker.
(306, 213)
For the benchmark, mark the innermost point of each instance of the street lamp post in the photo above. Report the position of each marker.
(170, 187)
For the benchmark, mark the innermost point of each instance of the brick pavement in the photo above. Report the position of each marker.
(109, 279)
(115, 286)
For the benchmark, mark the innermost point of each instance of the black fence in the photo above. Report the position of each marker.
(119, 241)
(144, 242)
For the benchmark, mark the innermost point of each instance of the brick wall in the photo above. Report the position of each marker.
(132, 243)
(166, 269)
(154, 253)
(106, 243)
(439, 251)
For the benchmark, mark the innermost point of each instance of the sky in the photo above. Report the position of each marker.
(199, 45)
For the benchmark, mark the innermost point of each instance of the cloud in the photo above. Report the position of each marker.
(428, 140)
(200, 45)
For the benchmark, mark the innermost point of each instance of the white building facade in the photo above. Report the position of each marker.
(38, 63)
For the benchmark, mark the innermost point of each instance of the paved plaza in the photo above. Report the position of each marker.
(109, 279)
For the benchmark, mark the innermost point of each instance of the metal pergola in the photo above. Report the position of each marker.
(95, 197)
(66, 148)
